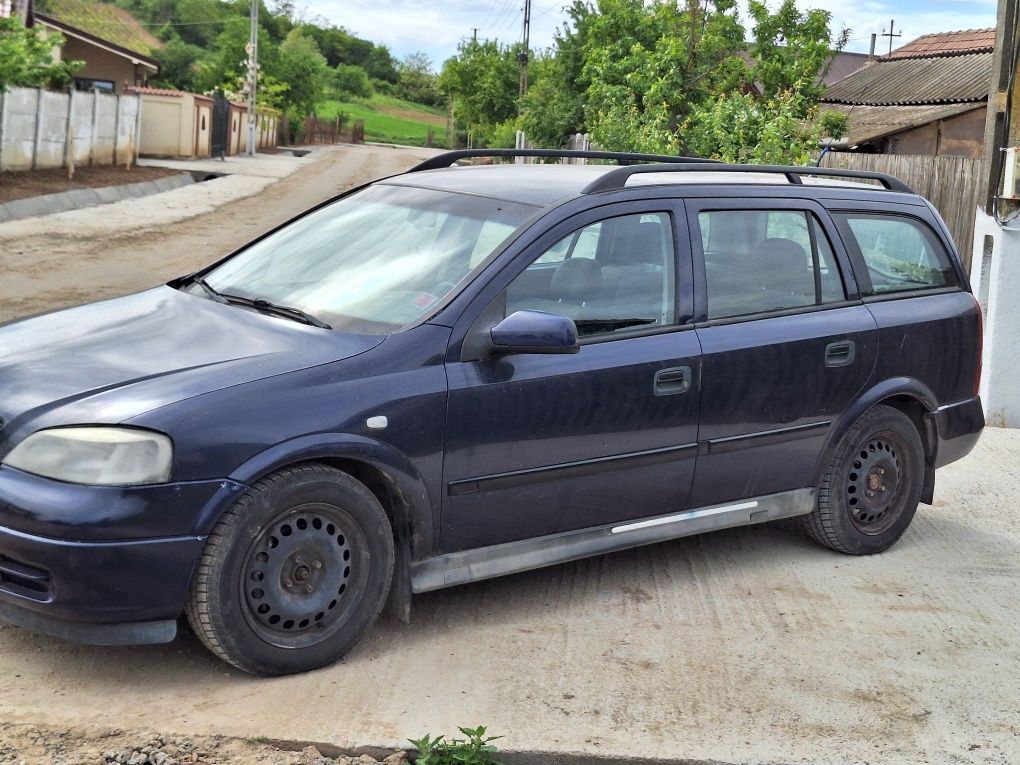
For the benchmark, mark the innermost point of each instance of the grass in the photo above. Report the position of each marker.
(391, 120)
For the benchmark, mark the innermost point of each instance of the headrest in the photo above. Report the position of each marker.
(576, 280)
(633, 242)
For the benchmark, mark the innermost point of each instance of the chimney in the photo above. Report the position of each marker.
(871, 53)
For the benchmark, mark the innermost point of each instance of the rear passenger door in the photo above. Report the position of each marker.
(786, 342)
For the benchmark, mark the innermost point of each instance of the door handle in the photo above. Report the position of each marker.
(840, 354)
(671, 381)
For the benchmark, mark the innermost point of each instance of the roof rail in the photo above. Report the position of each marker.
(617, 179)
(447, 159)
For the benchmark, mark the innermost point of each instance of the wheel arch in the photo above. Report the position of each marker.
(906, 394)
(387, 473)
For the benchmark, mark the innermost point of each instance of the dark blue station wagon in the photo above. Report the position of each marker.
(468, 371)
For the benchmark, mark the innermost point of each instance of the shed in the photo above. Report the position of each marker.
(928, 97)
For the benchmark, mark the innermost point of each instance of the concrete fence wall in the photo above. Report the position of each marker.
(41, 128)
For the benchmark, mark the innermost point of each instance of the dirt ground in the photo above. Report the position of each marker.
(744, 646)
(38, 182)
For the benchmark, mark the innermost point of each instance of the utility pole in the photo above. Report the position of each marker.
(474, 34)
(525, 53)
(253, 75)
(1002, 124)
(890, 34)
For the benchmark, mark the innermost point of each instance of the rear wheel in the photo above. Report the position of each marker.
(294, 573)
(871, 486)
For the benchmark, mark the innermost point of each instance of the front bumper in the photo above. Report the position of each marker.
(108, 566)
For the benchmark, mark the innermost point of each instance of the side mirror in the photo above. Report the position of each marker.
(535, 332)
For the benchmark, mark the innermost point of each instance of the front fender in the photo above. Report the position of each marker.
(414, 506)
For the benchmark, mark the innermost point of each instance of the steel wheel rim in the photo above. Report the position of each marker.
(877, 483)
(304, 575)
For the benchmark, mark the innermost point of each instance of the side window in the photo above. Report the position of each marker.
(901, 253)
(580, 244)
(766, 260)
(610, 276)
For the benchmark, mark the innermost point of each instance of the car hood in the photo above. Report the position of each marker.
(110, 361)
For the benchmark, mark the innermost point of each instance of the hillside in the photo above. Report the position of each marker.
(391, 120)
(103, 20)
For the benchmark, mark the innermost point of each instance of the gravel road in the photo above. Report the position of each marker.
(744, 646)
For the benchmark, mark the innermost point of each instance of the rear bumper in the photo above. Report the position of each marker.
(958, 426)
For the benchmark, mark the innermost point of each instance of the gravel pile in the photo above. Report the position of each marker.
(40, 745)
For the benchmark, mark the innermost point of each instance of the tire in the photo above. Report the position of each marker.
(294, 573)
(871, 486)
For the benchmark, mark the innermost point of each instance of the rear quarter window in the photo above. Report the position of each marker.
(900, 253)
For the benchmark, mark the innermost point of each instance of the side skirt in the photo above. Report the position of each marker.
(513, 557)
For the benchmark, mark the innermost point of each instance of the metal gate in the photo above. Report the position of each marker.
(220, 126)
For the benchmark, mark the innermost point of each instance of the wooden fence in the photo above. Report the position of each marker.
(953, 184)
(314, 130)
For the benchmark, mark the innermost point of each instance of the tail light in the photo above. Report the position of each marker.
(980, 346)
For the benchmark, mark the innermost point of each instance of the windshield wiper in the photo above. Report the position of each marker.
(286, 311)
(259, 303)
(213, 294)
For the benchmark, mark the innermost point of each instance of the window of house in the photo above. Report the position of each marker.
(88, 85)
(901, 253)
(766, 260)
(614, 275)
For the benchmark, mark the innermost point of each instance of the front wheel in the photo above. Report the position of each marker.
(871, 486)
(294, 573)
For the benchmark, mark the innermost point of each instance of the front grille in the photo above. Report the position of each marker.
(24, 580)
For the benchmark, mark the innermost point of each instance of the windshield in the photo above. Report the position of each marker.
(373, 261)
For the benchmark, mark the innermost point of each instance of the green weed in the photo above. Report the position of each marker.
(475, 749)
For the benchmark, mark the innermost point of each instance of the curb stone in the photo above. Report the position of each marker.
(76, 199)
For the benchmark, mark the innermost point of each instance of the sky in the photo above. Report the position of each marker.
(409, 26)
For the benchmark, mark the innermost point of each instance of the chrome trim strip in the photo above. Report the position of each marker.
(682, 517)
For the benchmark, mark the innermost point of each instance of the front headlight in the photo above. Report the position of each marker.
(100, 456)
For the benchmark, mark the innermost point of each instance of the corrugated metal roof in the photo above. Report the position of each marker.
(870, 122)
(948, 44)
(912, 81)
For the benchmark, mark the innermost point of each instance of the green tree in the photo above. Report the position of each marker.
(304, 69)
(26, 57)
(482, 81)
(178, 62)
(418, 82)
(792, 50)
(351, 81)
(739, 127)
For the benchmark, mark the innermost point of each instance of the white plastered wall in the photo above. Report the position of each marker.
(995, 277)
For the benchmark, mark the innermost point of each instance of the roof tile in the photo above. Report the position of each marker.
(947, 44)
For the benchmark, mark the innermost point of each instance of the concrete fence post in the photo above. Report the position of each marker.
(94, 136)
(3, 125)
(138, 127)
(69, 137)
(39, 115)
(116, 132)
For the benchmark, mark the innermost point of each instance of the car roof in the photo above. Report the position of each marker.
(543, 184)
(539, 185)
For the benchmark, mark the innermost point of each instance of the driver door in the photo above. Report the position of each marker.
(541, 444)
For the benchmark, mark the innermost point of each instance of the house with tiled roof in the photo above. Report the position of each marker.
(116, 48)
(926, 97)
